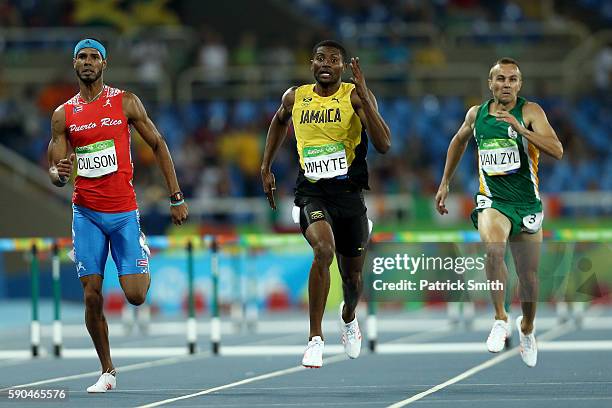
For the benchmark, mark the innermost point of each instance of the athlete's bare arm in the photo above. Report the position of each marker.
(137, 117)
(456, 148)
(543, 136)
(365, 105)
(276, 136)
(60, 162)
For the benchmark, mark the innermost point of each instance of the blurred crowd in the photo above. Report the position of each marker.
(122, 14)
(217, 144)
(347, 15)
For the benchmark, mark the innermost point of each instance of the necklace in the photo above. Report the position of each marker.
(94, 98)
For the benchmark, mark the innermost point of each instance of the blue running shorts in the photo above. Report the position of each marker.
(92, 234)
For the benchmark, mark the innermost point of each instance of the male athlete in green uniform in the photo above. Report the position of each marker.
(510, 133)
(330, 118)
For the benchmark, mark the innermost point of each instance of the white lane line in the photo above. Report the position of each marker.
(369, 403)
(294, 336)
(9, 363)
(462, 376)
(479, 347)
(339, 387)
(21, 356)
(495, 400)
(423, 336)
(398, 324)
(128, 352)
(273, 374)
(274, 350)
(582, 345)
(122, 369)
(413, 348)
(557, 332)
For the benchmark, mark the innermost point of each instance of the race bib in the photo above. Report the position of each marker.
(97, 159)
(532, 222)
(328, 161)
(499, 156)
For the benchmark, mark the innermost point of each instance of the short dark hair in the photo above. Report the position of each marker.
(332, 44)
(504, 61)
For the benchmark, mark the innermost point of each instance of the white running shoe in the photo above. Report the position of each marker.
(106, 382)
(497, 338)
(351, 335)
(313, 356)
(528, 346)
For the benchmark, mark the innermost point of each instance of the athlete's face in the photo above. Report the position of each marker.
(327, 65)
(505, 82)
(89, 65)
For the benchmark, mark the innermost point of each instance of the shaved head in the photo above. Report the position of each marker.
(504, 61)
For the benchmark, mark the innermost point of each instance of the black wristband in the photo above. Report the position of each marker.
(177, 197)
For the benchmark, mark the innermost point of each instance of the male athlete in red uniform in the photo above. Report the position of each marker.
(95, 125)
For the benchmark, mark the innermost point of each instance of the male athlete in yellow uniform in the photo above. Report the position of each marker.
(330, 118)
(510, 133)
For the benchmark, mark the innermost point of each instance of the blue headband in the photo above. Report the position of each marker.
(89, 43)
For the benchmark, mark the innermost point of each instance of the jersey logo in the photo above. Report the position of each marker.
(316, 215)
(80, 266)
(107, 103)
(77, 109)
(142, 263)
(335, 99)
(512, 133)
(306, 101)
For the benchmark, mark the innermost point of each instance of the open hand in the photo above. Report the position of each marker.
(359, 80)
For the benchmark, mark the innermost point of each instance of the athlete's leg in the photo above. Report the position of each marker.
(90, 251)
(494, 229)
(526, 253)
(135, 287)
(351, 235)
(130, 255)
(95, 319)
(321, 239)
(352, 283)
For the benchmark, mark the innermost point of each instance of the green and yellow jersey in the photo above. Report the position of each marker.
(331, 141)
(507, 161)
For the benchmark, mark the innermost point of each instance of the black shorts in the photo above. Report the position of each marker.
(346, 213)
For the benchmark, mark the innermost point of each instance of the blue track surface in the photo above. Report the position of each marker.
(562, 378)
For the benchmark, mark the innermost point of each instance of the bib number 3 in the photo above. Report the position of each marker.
(533, 222)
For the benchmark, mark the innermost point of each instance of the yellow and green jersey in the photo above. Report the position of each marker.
(507, 161)
(331, 141)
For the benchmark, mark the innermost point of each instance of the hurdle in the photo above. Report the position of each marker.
(214, 244)
(57, 296)
(35, 324)
(215, 323)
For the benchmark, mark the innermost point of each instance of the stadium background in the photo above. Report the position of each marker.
(211, 78)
